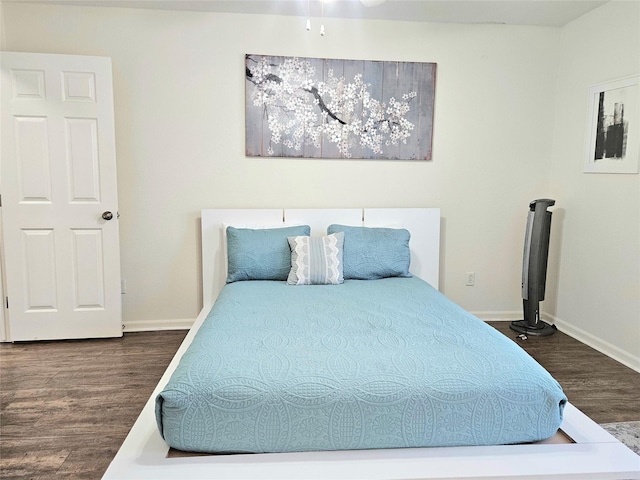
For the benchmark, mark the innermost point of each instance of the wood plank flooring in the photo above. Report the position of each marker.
(604, 389)
(65, 407)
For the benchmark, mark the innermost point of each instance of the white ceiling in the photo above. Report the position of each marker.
(553, 13)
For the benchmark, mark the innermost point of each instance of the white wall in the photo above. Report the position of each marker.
(2, 36)
(509, 127)
(179, 104)
(597, 295)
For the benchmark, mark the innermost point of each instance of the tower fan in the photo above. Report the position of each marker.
(534, 269)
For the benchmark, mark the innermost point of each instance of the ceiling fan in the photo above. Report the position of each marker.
(366, 3)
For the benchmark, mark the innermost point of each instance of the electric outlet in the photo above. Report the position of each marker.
(471, 279)
(123, 286)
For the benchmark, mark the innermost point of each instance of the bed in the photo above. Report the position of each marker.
(295, 404)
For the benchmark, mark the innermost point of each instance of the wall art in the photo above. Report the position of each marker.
(613, 135)
(340, 109)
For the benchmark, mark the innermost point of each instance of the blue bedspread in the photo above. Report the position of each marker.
(366, 364)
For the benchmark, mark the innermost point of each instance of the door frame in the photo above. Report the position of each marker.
(4, 323)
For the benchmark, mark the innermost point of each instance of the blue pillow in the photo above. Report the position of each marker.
(316, 260)
(371, 253)
(260, 254)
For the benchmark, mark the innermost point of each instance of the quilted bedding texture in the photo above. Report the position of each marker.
(367, 364)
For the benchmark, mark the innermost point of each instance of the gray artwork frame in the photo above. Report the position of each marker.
(338, 109)
(613, 127)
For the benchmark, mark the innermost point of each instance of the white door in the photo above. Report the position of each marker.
(59, 197)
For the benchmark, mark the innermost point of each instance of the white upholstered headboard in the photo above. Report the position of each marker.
(423, 223)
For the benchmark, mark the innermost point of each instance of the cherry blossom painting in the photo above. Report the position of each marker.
(326, 108)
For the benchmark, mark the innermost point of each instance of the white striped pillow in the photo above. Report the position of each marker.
(316, 260)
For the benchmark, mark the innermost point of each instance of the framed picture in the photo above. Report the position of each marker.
(339, 109)
(613, 135)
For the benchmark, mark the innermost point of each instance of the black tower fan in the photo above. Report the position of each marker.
(534, 269)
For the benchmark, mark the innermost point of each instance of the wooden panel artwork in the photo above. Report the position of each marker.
(328, 108)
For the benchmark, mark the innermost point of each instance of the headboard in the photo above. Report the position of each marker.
(423, 223)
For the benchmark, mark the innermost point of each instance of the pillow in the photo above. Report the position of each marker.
(253, 226)
(260, 254)
(316, 260)
(371, 253)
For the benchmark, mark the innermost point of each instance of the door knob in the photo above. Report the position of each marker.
(107, 215)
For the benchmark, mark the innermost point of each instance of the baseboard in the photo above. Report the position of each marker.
(152, 325)
(186, 323)
(606, 348)
(594, 342)
(498, 316)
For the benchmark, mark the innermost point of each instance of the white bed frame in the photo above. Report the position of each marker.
(595, 454)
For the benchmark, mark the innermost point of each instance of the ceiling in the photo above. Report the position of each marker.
(551, 13)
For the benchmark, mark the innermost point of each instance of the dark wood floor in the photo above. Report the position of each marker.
(604, 389)
(65, 407)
